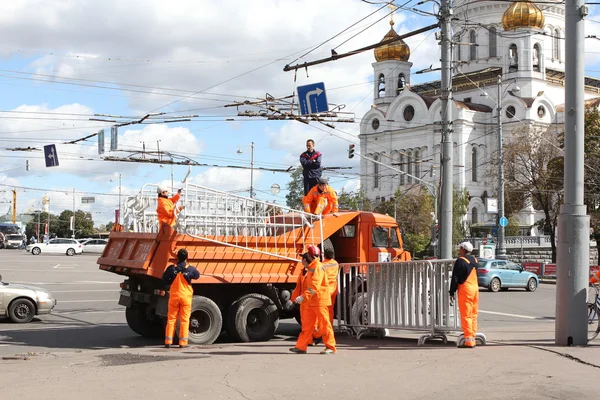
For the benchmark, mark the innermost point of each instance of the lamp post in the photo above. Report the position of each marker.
(501, 253)
(240, 151)
(119, 217)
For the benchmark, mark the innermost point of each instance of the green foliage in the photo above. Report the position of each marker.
(416, 243)
(60, 225)
(356, 201)
(512, 229)
(460, 204)
(295, 189)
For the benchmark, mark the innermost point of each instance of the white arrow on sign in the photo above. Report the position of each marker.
(316, 92)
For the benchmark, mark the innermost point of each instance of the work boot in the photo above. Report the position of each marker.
(317, 341)
(297, 350)
(328, 351)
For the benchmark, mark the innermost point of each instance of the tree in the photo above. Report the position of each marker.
(42, 218)
(531, 168)
(295, 190)
(353, 200)
(460, 206)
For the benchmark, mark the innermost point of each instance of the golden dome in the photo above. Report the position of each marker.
(392, 51)
(522, 14)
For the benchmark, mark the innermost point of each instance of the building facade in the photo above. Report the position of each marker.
(521, 42)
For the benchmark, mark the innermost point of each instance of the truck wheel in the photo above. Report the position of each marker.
(205, 322)
(253, 318)
(359, 314)
(143, 321)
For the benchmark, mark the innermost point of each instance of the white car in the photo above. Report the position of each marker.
(69, 247)
(94, 245)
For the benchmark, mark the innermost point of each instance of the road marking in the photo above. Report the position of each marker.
(86, 291)
(508, 315)
(64, 266)
(83, 301)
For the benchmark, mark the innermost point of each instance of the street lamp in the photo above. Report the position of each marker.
(241, 151)
(501, 250)
(119, 218)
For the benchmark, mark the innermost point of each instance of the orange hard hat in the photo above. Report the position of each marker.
(313, 250)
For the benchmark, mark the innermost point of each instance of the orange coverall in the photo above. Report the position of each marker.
(332, 269)
(301, 284)
(180, 304)
(166, 210)
(316, 202)
(595, 278)
(318, 296)
(468, 300)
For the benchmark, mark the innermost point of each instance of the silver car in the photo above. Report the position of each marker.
(21, 303)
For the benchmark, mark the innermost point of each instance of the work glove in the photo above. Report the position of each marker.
(299, 299)
(451, 299)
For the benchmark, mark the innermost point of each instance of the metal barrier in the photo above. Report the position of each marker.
(231, 220)
(407, 296)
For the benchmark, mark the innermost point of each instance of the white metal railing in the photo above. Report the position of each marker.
(406, 296)
(229, 219)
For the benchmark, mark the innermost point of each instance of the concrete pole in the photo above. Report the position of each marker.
(573, 223)
(119, 219)
(447, 148)
(501, 253)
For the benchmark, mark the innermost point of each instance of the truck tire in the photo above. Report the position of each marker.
(205, 322)
(359, 313)
(142, 320)
(253, 318)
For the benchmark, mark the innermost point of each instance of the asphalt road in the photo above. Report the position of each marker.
(87, 315)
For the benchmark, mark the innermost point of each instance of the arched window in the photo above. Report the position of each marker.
(458, 55)
(403, 169)
(409, 163)
(417, 164)
(401, 82)
(492, 42)
(474, 164)
(376, 172)
(472, 47)
(513, 58)
(474, 216)
(556, 44)
(536, 57)
(381, 86)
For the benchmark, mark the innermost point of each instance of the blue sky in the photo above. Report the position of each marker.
(63, 61)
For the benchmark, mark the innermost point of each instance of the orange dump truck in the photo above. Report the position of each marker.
(247, 252)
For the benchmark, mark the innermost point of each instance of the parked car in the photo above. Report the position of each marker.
(13, 241)
(21, 303)
(94, 245)
(499, 275)
(69, 247)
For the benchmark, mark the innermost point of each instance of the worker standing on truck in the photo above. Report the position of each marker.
(166, 206)
(318, 296)
(464, 279)
(311, 166)
(321, 199)
(181, 292)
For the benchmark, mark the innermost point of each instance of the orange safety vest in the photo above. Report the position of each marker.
(180, 288)
(332, 269)
(316, 202)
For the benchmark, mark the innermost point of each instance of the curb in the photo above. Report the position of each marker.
(548, 281)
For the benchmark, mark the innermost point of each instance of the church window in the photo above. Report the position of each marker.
(556, 44)
(376, 172)
(381, 86)
(417, 164)
(403, 169)
(513, 58)
(474, 216)
(474, 164)
(408, 113)
(472, 47)
(401, 82)
(536, 57)
(492, 42)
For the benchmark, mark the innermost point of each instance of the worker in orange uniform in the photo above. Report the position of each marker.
(301, 285)
(166, 206)
(321, 199)
(332, 269)
(595, 279)
(464, 279)
(318, 296)
(179, 277)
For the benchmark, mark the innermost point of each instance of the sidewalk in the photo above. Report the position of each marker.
(525, 364)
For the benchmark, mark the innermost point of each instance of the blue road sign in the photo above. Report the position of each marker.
(503, 221)
(50, 155)
(312, 98)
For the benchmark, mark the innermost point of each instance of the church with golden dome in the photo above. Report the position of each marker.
(522, 43)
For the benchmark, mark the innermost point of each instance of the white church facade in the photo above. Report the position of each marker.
(521, 42)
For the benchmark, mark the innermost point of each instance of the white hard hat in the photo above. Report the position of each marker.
(160, 189)
(467, 246)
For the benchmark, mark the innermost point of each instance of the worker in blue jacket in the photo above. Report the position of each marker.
(311, 166)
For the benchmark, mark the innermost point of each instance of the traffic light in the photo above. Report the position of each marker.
(351, 151)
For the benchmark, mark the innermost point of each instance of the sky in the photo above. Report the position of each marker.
(63, 62)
